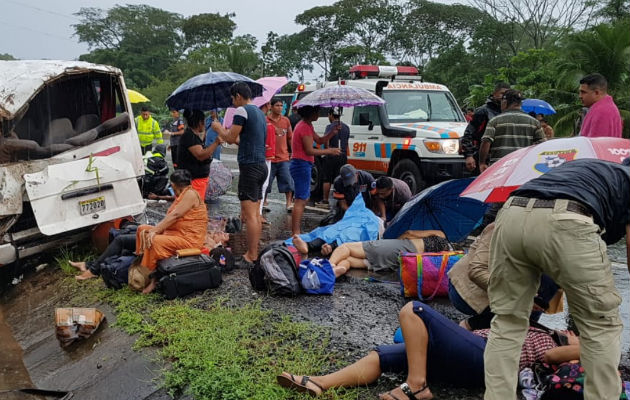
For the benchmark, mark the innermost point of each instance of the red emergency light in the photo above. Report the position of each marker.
(382, 71)
(301, 87)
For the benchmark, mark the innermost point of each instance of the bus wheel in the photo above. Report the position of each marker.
(406, 170)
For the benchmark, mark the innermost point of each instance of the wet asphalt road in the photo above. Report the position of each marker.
(361, 314)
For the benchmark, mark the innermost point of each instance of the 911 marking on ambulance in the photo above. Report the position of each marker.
(358, 149)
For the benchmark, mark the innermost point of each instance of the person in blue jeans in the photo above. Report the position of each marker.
(436, 349)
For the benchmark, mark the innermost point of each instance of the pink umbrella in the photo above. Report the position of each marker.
(271, 86)
(497, 182)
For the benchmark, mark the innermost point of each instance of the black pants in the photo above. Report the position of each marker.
(115, 248)
(174, 155)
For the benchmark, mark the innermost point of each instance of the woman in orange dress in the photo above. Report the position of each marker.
(183, 227)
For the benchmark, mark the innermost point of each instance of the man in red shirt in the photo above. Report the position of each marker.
(270, 152)
(602, 118)
(280, 162)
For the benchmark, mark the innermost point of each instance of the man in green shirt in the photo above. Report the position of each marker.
(511, 130)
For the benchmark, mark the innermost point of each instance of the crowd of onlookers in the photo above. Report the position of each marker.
(550, 234)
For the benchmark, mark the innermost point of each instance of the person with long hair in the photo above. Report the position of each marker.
(192, 155)
(303, 158)
(183, 227)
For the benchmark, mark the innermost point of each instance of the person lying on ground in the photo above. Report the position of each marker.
(379, 255)
(313, 246)
(468, 285)
(454, 356)
(183, 227)
(391, 196)
(92, 269)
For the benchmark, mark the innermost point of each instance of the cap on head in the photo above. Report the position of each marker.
(348, 175)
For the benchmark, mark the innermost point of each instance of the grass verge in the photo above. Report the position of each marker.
(216, 351)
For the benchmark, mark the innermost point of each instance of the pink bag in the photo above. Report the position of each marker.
(424, 275)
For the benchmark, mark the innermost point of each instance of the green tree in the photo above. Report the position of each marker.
(203, 30)
(321, 24)
(427, 29)
(284, 55)
(369, 26)
(140, 39)
(541, 21)
(6, 57)
(614, 10)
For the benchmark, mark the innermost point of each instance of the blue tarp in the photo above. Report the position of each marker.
(357, 225)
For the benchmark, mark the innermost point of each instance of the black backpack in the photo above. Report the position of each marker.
(275, 271)
(115, 269)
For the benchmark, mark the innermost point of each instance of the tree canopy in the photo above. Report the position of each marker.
(542, 47)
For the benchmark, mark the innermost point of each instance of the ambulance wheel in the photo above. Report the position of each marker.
(407, 170)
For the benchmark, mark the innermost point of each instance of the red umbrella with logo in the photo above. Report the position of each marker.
(497, 182)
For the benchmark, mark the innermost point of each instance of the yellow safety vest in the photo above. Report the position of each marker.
(148, 130)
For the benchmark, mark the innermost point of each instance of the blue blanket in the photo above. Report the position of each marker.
(357, 225)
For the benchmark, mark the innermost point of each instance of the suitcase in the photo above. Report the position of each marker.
(182, 276)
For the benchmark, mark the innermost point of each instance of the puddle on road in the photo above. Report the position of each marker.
(13, 372)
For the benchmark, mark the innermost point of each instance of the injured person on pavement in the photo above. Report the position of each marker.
(379, 255)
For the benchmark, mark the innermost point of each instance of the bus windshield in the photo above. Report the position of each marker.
(421, 106)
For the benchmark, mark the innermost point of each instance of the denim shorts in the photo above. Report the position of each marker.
(301, 174)
(454, 355)
(281, 171)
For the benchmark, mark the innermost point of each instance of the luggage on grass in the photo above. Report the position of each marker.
(182, 276)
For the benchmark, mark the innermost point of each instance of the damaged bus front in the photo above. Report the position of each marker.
(69, 153)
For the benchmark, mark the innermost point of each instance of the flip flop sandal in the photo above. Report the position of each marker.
(406, 391)
(298, 386)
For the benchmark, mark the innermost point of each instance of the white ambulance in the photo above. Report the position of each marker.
(413, 137)
(69, 153)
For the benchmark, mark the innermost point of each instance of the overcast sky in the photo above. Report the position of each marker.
(34, 29)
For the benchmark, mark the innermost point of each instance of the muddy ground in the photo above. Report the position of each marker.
(360, 315)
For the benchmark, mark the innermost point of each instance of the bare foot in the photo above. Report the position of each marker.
(150, 287)
(85, 275)
(419, 392)
(312, 387)
(80, 265)
(300, 245)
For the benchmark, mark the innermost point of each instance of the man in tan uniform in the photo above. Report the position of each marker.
(559, 224)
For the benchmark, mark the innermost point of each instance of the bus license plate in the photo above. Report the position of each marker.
(92, 205)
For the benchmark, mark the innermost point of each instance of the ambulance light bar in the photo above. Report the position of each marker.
(381, 71)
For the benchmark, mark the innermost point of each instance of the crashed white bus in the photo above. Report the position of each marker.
(69, 153)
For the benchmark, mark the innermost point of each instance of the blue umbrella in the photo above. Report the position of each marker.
(538, 106)
(439, 207)
(210, 90)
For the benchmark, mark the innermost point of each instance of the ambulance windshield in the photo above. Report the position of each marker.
(420, 106)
